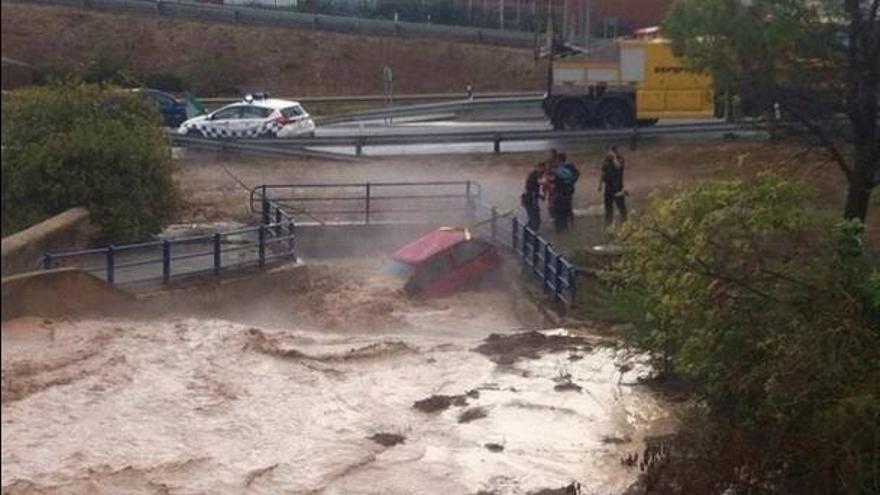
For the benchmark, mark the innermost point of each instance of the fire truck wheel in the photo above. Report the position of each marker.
(615, 115)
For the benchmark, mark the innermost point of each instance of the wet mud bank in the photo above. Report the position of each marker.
(334, 385)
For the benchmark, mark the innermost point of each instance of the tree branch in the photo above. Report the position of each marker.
(824, 140)
(708, 271)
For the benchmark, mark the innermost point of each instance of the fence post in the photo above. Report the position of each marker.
(111, 264)
(497, 144)
(278, 222)
(166, 261)
(265, 211)
(515, 229)
(471, 206)
(47, 261)
(367, 206)
(261, 245)
(572, 284)
(290, 243)
(217, 254)
(634, 138)
(359, 147)
(535, 251)
(526, 244)
(494, 226)
(546, 269)
(557, 278)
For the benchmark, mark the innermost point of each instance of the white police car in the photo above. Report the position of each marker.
(257, 116)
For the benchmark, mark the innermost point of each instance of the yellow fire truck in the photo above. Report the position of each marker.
(625, 83)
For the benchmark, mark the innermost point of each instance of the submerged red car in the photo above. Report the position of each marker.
(443, 261)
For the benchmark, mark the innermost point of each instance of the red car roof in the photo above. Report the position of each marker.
(430, 244)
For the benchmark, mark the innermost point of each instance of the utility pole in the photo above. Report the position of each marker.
(501, 13)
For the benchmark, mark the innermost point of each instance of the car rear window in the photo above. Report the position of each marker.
(468, 250)
(291, 112)
(433, 268)
(164, 101)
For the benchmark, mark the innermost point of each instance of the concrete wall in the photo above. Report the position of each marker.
(62, 292)
(23, 251)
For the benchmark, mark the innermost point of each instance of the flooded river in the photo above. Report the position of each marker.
(188, 405)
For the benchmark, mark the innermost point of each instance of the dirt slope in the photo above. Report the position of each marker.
(281, 61)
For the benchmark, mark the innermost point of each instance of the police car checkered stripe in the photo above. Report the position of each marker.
(266, 129)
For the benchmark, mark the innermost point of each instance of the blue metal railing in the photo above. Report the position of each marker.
(366, 202)
(558, 275)
(169, 258)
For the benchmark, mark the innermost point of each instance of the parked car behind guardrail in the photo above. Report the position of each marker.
(172, 110)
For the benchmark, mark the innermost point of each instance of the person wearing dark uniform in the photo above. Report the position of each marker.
(531, 197)
(565, 175)
(612, 181)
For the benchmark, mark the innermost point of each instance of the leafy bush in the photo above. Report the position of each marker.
(51, 74)
(68, 146)
(773, 310)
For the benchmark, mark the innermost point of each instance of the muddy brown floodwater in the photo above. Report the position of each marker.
(188, 405)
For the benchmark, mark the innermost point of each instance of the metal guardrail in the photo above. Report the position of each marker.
(260, 148)
(297, 20)
(302, 145)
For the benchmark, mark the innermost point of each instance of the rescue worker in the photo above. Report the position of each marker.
(531, 197)
(565, 176)
(612, 182)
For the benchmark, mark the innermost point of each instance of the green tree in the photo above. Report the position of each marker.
(816, 60)
(78, 145)
(773, 310)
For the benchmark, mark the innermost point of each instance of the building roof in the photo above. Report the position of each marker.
(430, 244)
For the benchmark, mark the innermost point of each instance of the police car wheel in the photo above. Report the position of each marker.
(195, 133)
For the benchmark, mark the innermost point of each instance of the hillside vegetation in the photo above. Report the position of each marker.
(57, 40)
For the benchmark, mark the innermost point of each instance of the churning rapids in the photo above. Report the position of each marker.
(396, 397)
